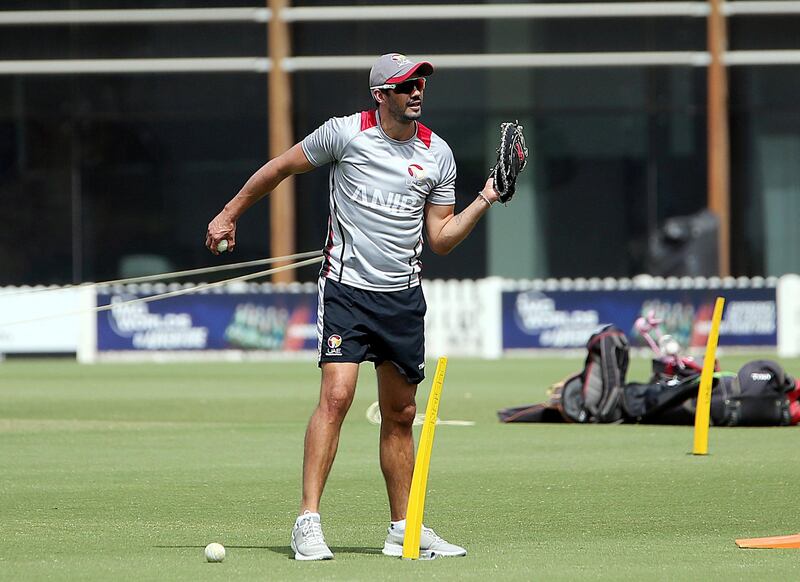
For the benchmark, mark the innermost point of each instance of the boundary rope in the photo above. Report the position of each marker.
(160, 296)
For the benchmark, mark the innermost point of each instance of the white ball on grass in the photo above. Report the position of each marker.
(222, 245)
(215, 552)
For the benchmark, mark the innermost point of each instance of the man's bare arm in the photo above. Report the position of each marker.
(265, 180)
(446, 230)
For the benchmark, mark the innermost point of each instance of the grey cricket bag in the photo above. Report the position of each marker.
(592, 395)
(596, 394)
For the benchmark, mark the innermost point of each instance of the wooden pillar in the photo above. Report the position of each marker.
(282, 211)
(718, 141)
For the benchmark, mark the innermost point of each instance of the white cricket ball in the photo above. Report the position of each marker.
(222, 245)
(215, 552)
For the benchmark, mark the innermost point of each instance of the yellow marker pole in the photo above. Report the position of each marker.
(416, 497)
(703, 412)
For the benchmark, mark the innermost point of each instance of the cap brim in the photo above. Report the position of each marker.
(423, 69)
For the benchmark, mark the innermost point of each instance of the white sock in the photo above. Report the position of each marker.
(307, 514)
(399, 525)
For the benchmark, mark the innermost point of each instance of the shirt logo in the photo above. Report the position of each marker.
(334, 345)
(392, 202)
(417, 175)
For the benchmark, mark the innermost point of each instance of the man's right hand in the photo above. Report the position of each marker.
(222, 227)
(266, 179)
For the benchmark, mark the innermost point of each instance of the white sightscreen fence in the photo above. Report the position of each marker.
(482, 318)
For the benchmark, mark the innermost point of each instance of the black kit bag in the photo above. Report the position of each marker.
(662, 402)
(756, 396)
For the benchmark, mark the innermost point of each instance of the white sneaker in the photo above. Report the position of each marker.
(308, 542)
(430, 545)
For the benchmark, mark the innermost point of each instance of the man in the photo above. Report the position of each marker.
(389, 175)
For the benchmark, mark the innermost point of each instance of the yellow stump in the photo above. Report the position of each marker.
(703, 412)
(416, 498)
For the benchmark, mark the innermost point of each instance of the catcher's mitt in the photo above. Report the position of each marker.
(512, 157)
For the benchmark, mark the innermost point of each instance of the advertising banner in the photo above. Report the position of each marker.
(281, 322)
(566, 319)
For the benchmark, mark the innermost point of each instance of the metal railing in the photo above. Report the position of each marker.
(261, 64)
(405, 12)
(135, 16)
(131, 66)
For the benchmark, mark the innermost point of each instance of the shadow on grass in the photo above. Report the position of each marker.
(353, 550)
(287, 551)
(226, 545)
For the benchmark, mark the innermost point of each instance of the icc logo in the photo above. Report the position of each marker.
(334, 341)
(416, 174)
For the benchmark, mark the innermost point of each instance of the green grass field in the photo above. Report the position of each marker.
(123, 472)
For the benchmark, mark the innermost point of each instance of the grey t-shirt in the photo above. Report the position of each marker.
(378, 190)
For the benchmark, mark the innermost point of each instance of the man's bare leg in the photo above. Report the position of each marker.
(322, 435)
(398, 409)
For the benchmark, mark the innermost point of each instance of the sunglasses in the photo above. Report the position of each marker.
(406, 87)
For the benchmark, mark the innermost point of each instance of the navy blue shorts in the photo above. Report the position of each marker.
(355, 325)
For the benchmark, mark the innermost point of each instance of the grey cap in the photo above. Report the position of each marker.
(396, 68)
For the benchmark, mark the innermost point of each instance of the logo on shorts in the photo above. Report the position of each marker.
(334, 345)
